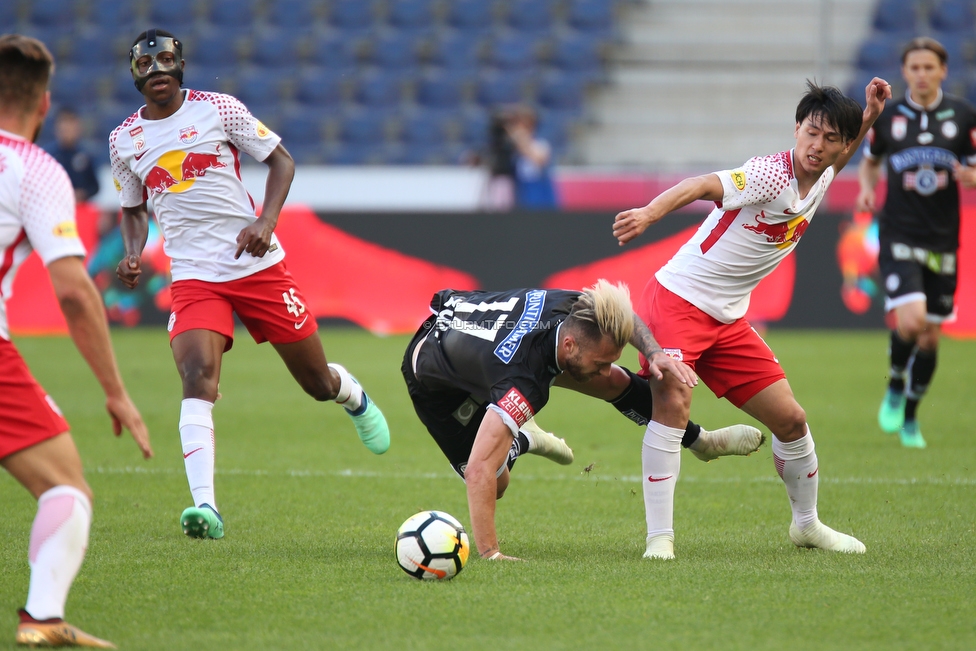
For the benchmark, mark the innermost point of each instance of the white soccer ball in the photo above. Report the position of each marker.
(432, 545)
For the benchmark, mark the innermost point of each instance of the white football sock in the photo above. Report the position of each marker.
(350, 393)
(797, 465)
(661, 462)
(197, 436)
(58, 541)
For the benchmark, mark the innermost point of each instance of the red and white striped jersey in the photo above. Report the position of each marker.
(758, 223)
(37, 212)
(188, 164)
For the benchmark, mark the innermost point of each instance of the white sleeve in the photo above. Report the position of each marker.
(47, 207)
(127, 184)
(243, 130)
(759, 181)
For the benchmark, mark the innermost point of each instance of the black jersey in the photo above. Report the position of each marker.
(922, 205)
(498, 346)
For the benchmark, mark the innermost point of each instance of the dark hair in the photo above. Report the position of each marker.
(925, 43)
(26, 66)
(828, 104)
(159, 32)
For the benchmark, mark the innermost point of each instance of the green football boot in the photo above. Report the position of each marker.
(202, 522)
(911, 435)
(891, 415)
(371, 426)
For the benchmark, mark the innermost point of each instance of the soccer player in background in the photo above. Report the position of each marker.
(480, 368)
(923, 137)
(181, 149)
(696, 303)
(37, 213)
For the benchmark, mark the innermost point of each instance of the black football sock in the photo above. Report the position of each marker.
(899, 352)
(920, 374)
(635, 402)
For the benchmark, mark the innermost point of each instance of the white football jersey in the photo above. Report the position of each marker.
(188, 164)
(758, 223)
(37, 212)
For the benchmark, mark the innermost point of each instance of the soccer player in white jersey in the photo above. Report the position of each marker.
(37, 213)
(182, 150)
(695, 304)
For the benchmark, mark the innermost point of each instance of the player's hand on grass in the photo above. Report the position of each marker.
(255, 238)
(129, 270)
(125, 415)
(660, 362)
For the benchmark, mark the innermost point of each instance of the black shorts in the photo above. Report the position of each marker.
(911, 273)
(452, 417)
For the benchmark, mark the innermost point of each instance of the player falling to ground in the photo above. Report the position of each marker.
(923, 137)
(182, 150)
(696, 303)
(37, 213)
(480, 368)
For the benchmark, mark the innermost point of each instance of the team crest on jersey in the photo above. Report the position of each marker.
(263, 131)
(118, 186)
(65, 229)
(138, 138)
(739, 179)
(674, 353)
(899, 127)
(925, 138)
(949, 129)
(188, 135)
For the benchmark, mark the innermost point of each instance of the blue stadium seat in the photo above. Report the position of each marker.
(514, 51)
(226, 14)
(380, 88)
(9, 13)
(259, 90)
(280, 48)
(563, 92)
(334, 51)
(881, 51)
(124, 89)
(557, 127)
(579, 52)
(108, 116)
(953, 16)
(321, 87)
(49, 13)
(219, 79)
(411, 15)
(531, 16)
(116, 15)
(896, 16)
(444, 153)
(595, 16)
(443, 89)
(301, 124)
(396, 50)
(457, 51)
(495, 88)
(425, 127)
(352, 16)
(72, 86)
(210, 47)
(100, 49)
(176, 16)
(961, 48)
(364, 126)
(474, 127)
(470, 15)
(295, 14)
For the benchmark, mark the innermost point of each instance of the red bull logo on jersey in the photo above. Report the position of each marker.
(782, 234)
(177, 171)
(188, 135)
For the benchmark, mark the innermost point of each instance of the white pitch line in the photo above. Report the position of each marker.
(633, 479)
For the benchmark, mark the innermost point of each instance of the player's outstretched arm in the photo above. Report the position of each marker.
(83, 310)
(135, 232)
(256, 238)
(491, 446)
(875, 94)
(631, 223)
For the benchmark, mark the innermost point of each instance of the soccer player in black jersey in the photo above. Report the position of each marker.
(480, 368)
(926, 138)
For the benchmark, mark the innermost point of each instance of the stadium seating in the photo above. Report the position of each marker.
(896, 16)
(392, 80)
(954, 16)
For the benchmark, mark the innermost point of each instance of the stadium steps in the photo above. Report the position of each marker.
(697, 84)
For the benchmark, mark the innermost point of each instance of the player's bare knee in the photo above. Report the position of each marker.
(790, 424)
(910, 328)
(199, 381)
(672, 399)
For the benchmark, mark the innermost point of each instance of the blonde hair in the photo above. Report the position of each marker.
(604, 310)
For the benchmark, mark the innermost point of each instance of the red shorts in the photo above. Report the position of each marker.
(27, 414)
(268, 303)
(730, 358)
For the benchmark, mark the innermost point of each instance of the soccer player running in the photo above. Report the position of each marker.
(181, 149)
(480, 367)
(37, 213)
(695, 304)
(923, 137)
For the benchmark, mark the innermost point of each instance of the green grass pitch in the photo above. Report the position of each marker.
(308, 562)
